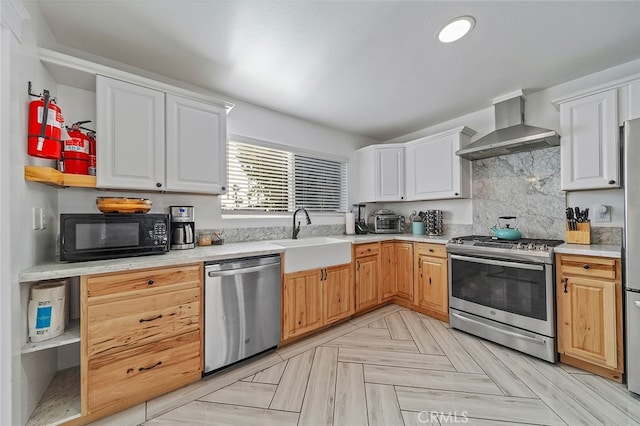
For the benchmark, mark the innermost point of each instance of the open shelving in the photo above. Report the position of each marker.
(51, 176)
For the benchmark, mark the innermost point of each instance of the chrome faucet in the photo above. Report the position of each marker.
(297, 230)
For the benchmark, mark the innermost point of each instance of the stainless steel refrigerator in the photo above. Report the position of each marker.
(632, 250)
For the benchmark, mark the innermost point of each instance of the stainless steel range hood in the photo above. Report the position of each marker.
(511, 134)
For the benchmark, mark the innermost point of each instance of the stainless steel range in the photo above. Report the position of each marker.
(503, 291)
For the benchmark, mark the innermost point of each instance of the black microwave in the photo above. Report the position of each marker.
(108, 236)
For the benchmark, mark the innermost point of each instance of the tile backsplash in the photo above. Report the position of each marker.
(525, 185)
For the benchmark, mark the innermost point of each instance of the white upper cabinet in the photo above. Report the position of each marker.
(434, 171)
(590, 146)
(381, 173)
(196, 146)
(134, 152)
(130, 150)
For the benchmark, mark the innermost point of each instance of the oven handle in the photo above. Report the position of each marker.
(499, 330)
(498, 262)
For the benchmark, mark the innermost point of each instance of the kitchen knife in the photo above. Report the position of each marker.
(578, 217)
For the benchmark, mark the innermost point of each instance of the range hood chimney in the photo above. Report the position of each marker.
(511, 134)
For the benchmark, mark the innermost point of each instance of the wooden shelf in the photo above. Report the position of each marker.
(70, 335)
(61, 401)
(51, 176)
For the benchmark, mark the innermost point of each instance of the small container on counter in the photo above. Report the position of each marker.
(216, 239)
(205, 238)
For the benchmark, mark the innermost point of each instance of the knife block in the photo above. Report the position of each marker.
(581, 236)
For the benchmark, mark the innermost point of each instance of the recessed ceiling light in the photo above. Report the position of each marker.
(456, 29)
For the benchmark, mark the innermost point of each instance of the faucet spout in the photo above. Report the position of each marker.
(296, 230)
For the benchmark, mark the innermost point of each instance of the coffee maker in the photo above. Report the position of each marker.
(361, 219)
(182, 227)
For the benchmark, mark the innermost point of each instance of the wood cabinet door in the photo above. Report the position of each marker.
(590, 153)
(301, 303)
(367, 291)
(388, 279)
(196, 146)
(338, 293)
(404, 270)
(587, 319)
(432, 279)
(131, 149)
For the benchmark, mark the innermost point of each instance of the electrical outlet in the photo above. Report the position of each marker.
(602, 213)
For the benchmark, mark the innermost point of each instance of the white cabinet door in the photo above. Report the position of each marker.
(381, 173)
(130, 127)
(389, 174)
(196, 146)
(590, 153)
(434, 171)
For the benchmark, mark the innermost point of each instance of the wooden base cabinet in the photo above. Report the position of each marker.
(141, 336)
(431, 280)
(367, 276)
(589, 306)
(396, 270)
(314, 298)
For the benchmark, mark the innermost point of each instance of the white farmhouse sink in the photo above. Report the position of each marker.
(312, 253)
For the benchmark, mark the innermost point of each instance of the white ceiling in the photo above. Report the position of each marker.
(373, 68)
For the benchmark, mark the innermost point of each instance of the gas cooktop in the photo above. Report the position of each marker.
(522, 249)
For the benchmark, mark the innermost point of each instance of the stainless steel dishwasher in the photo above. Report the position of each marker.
(241, 309)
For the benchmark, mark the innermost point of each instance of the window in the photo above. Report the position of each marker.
(269, 180)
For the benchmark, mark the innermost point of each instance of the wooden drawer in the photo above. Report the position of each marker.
(136, 281)
(369, 249)
(122, 324)
(428, 249)
(117, 381)
(588, 266)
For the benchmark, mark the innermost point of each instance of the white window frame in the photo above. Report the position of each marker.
(239, 214)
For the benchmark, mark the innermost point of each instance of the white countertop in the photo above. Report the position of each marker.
(601, 250)
(56, 269)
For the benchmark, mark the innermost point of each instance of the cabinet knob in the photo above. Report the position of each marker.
(224, 188)
(612, 182)
(456, 194)
(586, 266)
(158, 184)
(150, 282)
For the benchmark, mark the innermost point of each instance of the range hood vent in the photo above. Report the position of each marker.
(511, 134)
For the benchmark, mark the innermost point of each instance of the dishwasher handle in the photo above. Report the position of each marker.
(226, 273)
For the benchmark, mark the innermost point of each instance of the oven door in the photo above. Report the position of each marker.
(515, 293)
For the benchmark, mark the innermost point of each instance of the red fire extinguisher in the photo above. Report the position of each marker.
(76, 150)
(45, 127)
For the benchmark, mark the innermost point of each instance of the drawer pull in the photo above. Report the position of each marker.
(149, 368)
(369, 249)
(430, 250)
(566, 282)
(586, 266)
(151, 319)
(150, 282)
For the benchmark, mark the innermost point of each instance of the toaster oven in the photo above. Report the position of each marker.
(386, 223)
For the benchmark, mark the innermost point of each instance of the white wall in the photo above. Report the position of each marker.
(25, 246)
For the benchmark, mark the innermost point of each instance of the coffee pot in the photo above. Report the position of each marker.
(182, 227)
